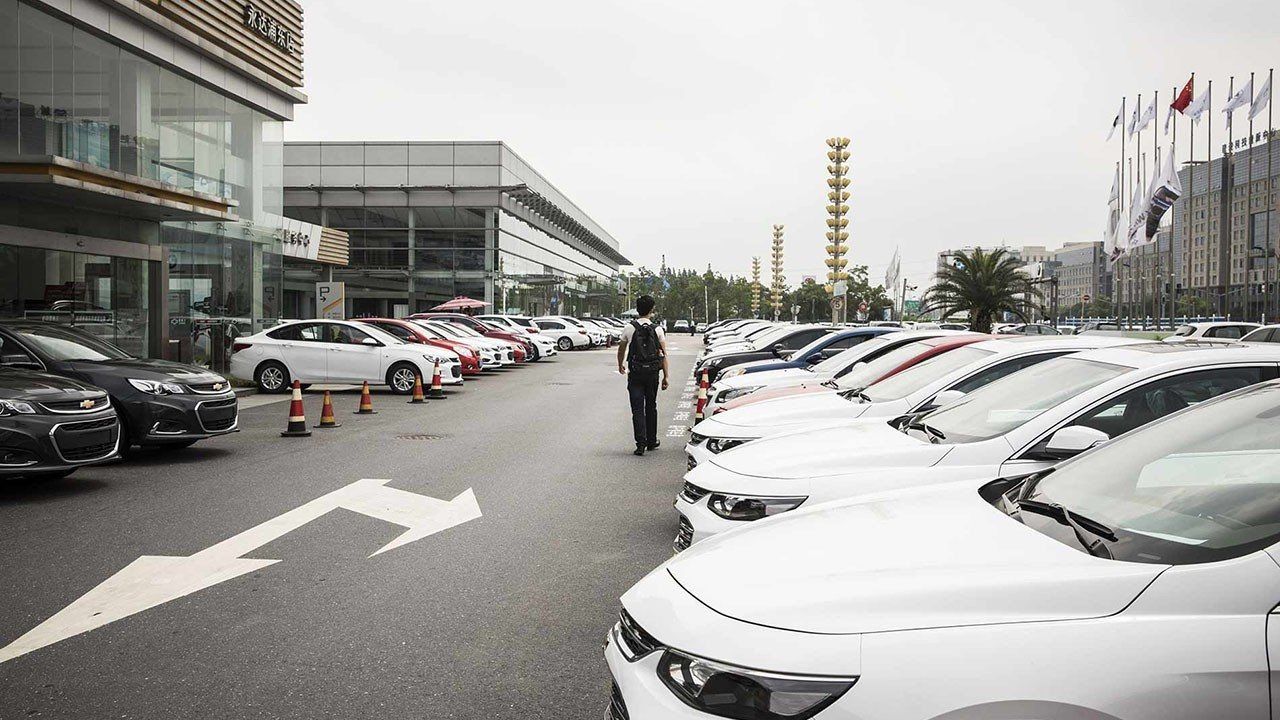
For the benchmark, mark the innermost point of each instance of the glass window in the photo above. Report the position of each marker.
(846, 342)
(1196, 487)
(917, 376)
(10, 82)
(1227, 332)
(1009, 367)
(345, 334)
(1162, 397)
(862, 375)
(62, 343)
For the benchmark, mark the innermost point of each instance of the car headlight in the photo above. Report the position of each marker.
(719, 445)
(733, 372)
(16, 407)
(463, 352)
(156, 387)
(733, 393)
(745, 507)
(734, 692)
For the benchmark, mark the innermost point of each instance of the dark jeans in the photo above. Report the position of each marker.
(642, 386)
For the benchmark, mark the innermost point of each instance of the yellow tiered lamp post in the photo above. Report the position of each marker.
(838, 211)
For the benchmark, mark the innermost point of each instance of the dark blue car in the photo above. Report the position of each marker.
(815, 352)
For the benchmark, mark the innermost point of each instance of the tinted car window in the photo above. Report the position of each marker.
(1154, 400)
(1228, 332)
(995, 372)
(548, 325)
(62, 343)
(346, 335)
(847, 342)
(400, 332)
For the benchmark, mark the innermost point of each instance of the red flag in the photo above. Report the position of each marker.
(1181, 102)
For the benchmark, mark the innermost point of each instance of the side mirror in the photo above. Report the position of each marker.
(946, 397)
(778, 350)
(815, 358)
(1073, 440)
(370, 342)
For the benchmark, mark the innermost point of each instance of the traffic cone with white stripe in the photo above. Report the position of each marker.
(418, 397)
(327, 420)
(702, 399)
(297, 415)
(366, 401)
(437, 389)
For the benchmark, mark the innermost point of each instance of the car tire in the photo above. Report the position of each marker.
(565, 344)
(272, 377)
(401, 376)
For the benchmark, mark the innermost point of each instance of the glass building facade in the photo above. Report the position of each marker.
(432, 221)
(177, 285)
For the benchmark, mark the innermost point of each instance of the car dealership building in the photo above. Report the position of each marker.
(429, 221)
(141, 169)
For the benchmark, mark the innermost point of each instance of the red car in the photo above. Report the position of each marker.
(524, 348)
(409, 332)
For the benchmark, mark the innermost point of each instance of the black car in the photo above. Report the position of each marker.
(51, 425)
(160, 403)
(786, 344)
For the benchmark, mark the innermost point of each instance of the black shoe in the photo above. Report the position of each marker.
(654, 446)
(638, 451)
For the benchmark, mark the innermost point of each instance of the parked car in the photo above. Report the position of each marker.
(337, 351)
(494, 353)
(680, 326)
(160, 403)
(953, 326)
(824, 375)
(1094, 326)
(824, 347)
(1017, 425)
(515, 323)
(1211, 332)
(776, 345)
(51, 425)
(1137, 581)
(525, 348)
(545, 346)
(933, 382)
(612, 334)
(566, 336)
(411, 332)
(700, 327)
(1270, 333)
(1028, 329)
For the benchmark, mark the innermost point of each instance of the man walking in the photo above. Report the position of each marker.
(641, 355)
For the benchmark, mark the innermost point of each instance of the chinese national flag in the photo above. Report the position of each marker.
(1181, 102)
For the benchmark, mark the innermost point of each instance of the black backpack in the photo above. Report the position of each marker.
(645, 352)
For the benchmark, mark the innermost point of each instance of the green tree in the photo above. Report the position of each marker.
(982, 285)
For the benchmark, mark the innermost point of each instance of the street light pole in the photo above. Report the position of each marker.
(836, 224)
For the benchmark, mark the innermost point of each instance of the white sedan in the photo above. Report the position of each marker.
(566, 335)
(1138, 581)
(1020, 424)
(1224, 331)
(337, 351)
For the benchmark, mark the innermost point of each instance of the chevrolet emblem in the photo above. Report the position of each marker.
(86, 404)
(217, 386)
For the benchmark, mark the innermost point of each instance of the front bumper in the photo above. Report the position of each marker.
(160, 419)
(701, 522)
(32, 444)
(639, 692)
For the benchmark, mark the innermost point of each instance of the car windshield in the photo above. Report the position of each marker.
(841, 360)
(811, 348)
(771, 336)
(62, 343)
(1007, 403)
(863, 375)
(463, 329)
(1197, 486)
(444, 328)
(917, 376)
(1184, 330)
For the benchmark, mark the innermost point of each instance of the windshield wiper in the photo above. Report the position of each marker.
(856, 393)
(831, 384)
(1079, 525)
(934, 434)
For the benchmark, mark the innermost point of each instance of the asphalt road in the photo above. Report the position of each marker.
(499, 617)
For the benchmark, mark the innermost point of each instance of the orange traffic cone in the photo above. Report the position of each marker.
(327, 420)
(417, 390)
(702, 398)
(297, 415)
(366, 401)
(437, 390)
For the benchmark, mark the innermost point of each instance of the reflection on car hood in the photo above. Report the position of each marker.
(922, 558)
(18, 384)
(146, 369)
(788, 411)
(830, 449)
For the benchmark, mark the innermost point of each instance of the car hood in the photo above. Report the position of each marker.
(768, 377)
(770, 415)
(823, 449)
(921, 558)
(18, 384)
(145, 369)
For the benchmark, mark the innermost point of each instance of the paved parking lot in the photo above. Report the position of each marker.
(497, 616)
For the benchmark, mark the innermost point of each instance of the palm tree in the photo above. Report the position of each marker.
(982, 284)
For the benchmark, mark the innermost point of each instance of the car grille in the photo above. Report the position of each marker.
(696, 439)
(74, 406)
(210, 388)
(82, 441)
(214, 415)
(692, 493)
(684, 536)
(617, 706)
(638, 642)
(690, 462)
(456, 371)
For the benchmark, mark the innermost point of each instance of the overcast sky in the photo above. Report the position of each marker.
(688, 128)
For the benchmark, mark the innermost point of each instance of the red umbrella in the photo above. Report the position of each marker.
(461, 303)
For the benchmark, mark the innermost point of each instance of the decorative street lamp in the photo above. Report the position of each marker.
(755, 287)
(836, 234)
(779, 282)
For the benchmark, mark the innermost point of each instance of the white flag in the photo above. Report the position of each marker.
(1167, 118)
(1147, 116)
(1115, 123)
(1198, 106)
(1133, 120)
(1113, 220)
(1238, 100)
(1261, 100)
(1137, 222)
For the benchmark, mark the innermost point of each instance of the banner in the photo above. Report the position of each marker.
(1166, 191)
(891, 273)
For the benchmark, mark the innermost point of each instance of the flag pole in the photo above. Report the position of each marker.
(1271, 254)
(1229, 168)
(1173, 160)
(1248, 212)
(1208, 174)
(1154, 273)
(1187, 252)
(1118, 289)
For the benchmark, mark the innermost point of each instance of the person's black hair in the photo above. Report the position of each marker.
(644, 304)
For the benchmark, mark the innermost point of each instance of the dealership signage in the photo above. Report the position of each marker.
(331, 300)
(299, 239)
(268, 27)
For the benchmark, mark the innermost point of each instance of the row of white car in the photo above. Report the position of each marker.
(1030, 527)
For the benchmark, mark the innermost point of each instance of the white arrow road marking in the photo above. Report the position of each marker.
(153, 580)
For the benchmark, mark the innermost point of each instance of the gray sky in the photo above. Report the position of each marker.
(688, 128)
